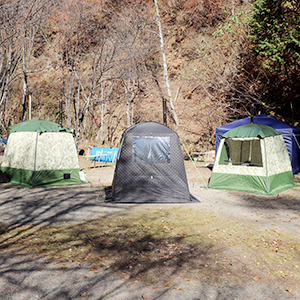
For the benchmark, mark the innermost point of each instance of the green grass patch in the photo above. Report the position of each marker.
(142, 244)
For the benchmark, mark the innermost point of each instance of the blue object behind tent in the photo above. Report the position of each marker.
(3, 141)
(113, 153)
(291, 135)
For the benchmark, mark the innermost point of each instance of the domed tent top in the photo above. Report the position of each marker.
(251, 131)
(149, 128)
(37, 125)
(280, 126)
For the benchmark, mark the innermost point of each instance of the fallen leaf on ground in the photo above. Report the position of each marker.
(257, 278)
(83, 294)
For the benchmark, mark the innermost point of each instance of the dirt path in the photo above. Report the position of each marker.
(29, 277)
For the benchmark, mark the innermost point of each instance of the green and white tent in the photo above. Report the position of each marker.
(40, 153)
(252, 158)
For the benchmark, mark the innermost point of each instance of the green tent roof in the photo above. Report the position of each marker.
(251, 131)
(37, 125)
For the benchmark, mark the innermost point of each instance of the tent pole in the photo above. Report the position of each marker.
(252, 112)
(193, 162)
(204, 148)
(34, 166)
(296, 141)
(267, 175)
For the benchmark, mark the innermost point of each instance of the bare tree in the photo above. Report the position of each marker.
(87, 55)
(130, 92)
(71, 20)
(106, 92)
(19, 21)
(34, 13)
(10, 49)
(118, 56)
(131, 30)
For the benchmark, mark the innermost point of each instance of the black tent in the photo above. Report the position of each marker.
(150, 167)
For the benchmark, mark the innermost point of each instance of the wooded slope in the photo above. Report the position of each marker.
(103, 59)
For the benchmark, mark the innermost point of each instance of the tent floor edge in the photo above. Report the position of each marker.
(252, 184)
(43, 178)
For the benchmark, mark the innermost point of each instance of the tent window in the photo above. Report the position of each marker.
(241, 153)
(151, 149)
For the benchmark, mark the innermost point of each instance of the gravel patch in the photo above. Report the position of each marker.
(32, 277)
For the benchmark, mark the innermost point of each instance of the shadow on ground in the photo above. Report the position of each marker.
(287, 200)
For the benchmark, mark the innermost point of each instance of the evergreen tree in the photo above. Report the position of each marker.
(275, 33)
(275, 38)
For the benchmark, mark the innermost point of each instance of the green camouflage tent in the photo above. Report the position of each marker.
(252, 158)
(40, 153)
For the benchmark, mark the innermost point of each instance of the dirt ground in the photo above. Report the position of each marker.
(283, 209)
(29, 278)
(279, 213)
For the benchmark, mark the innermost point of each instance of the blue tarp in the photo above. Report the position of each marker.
(111, 151)
(3, 141)
(291, 135)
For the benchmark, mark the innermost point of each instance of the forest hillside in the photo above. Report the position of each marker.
(191, 64)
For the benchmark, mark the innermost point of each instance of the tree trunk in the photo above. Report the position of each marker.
(126, 93)
(128, 112)
(103, 109)
(165, 65)
(132, 111)
(7, 82)
(104, 99)
(29, 106)
(102, 121)
(25, 94)
(77, 121)
(164, 102)
(1, 115)
(291, 91)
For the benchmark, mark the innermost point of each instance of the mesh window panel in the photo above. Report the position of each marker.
(151, 149)
(246, 153)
